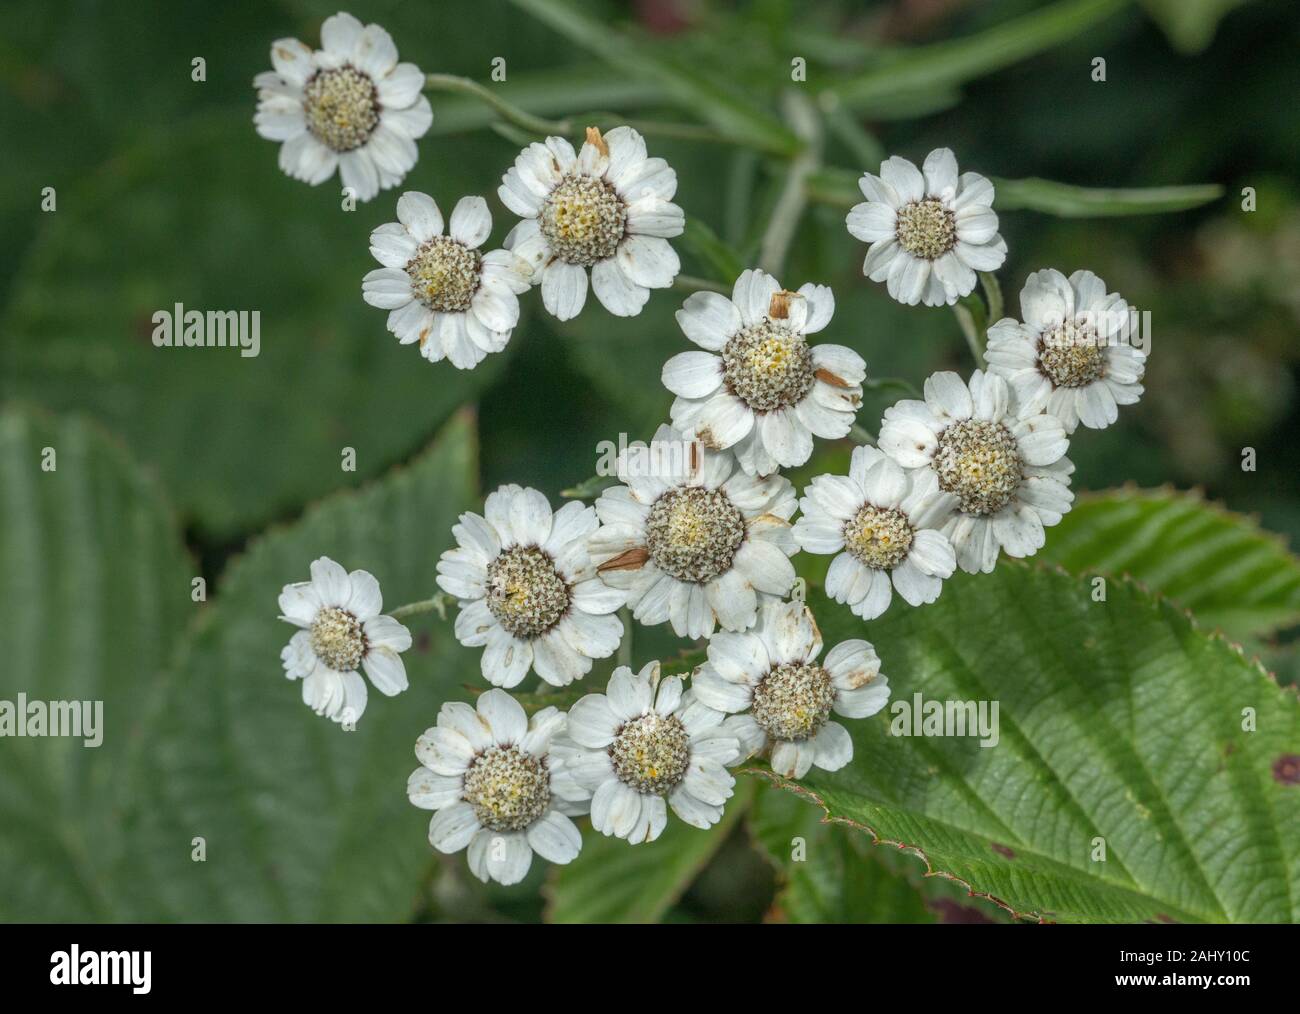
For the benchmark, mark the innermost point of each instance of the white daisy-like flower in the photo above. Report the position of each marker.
(770, 678)
(441, 291)
(1002, 466)
(759, 387)
(1072, 356)
(698, 550)
(632, 752)
(930, 230)
(607, 209)
(528, 590)
(487, 773)
(879, 520)
(348, 106)
(343, 629)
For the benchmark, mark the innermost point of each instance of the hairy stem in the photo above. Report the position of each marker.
(437, 604)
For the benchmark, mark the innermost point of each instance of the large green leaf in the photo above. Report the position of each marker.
(96, 590)
(840, 187)
(1118, 720)
(302, 820)
(943, 65)
(203, 217)
(1222, 566)
(612, 881)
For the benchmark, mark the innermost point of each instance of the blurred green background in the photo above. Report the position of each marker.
(165, 194)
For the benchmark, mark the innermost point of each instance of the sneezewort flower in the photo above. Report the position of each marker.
(441, 291)
(348, 106)
(698, 550)
(486, 771)
(1072, 357)
(528, 590)
(878, 519)
(641, 747)
(759, 387)
(930, 230)
(1002, 466)
(343, 630)
(784, 698)
(606, 210)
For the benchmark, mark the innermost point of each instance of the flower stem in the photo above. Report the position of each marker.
(589, 488)
(861, 435)
(437, 604)
(802, 117)
(973, 318)
(625, 645)
(511, 114)
(693, 283)
(992, 294)
(539, 126)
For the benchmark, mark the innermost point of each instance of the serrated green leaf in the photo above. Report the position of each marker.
(1118, 720)
(943, 65)
(203, 217)
(706, 94)
(840, 187)
(96, 590)
(302, 820)
(837, 878)
(1222, 566)
(614, 882)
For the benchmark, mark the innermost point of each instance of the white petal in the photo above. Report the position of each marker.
(904, 177)
(420, 215)
(693, 374)
(649, 261)
(555, 838)
(386, 671)
(832, 747)
(940, 172)
(374, 51)
(564, 289)
(753, 293)
(709, 319)
(451, 828)
(616, 291)
(432, 792)
(504, 716)
(593, 722)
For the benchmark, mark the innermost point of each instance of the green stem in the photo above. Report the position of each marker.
(606, 121)
(859, 434)
(971, 315)
(693, 283)
(589, 488)
(885, 383)
(437, 604)
(625, 645)
(781, 228)
(511, 114)
(993, 294)
(540, 126)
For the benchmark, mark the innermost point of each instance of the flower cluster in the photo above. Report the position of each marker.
(975, 467)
